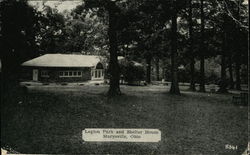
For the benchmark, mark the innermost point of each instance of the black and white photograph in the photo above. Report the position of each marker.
(155, 77)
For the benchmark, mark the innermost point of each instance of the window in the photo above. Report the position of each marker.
(97, 73)
(70, 74)
(99, 66)
(44, 73)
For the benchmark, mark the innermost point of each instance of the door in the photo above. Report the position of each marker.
(97, 74)
(35, 74)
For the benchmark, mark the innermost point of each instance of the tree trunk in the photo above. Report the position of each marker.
(202, 74)
(157, 65)
(238, 58)
(202, 59)
(114, 88)
(148, 75)
(192, 79)
(192, 61)
(163, 73)
(174, 77)
(231, 79)
(237, 71)
(223, 83)
(10, 68)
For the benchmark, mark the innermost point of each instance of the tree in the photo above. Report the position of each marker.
(51, 35)
(157, 64)
(191, 52)
(86, 32)
(113, 12)
(202, 58)
(223, 82)
(174, 78)
(143, 32)
(176, 7)
(240, 18)
(162, 12)
(132, 72)
(18, 28)
(114, 88)
(233, 19)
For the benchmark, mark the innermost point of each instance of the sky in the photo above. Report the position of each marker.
(245, 2)
(62, 5)
(59, 4)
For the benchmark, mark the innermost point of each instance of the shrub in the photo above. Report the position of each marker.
(132, 73)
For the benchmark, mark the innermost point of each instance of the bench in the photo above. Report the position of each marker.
(241, 100)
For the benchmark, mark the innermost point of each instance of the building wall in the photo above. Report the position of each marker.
(26, 74)
(54, 74)
(86, 75)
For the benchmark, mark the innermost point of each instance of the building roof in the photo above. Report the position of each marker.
(63, 60)
(121, 58)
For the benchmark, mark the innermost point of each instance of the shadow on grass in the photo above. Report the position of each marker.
(52, 122)
(43, 122)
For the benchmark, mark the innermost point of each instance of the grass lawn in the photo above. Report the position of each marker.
(51, 119)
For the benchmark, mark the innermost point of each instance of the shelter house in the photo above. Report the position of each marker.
(64, 68)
